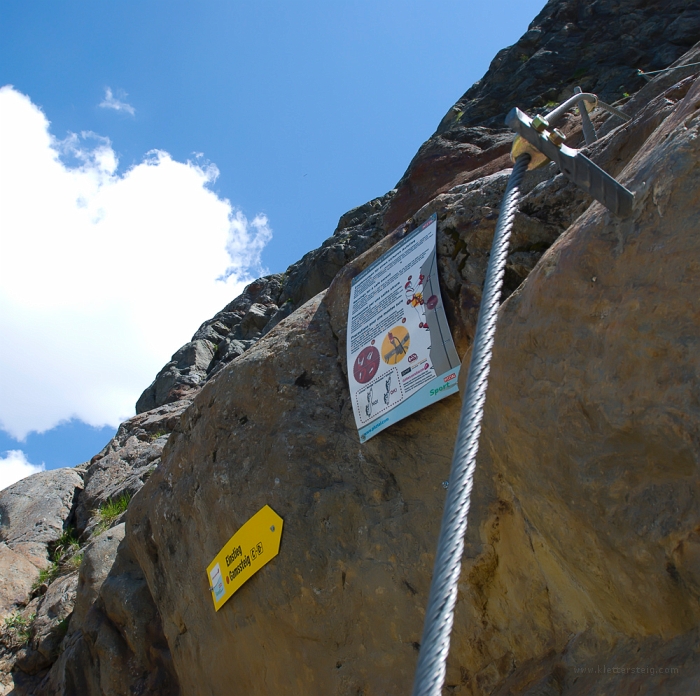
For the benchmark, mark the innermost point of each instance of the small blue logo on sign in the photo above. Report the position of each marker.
(217, 583)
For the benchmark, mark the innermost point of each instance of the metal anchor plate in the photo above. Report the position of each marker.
(575, 166)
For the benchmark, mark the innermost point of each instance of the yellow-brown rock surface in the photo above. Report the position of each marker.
(340, 608)
(590, 442)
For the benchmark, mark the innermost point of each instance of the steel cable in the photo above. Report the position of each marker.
(435, 643)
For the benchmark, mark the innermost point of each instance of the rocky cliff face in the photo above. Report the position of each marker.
(598, 46)
(581, 573)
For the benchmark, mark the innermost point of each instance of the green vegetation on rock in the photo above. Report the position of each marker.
(66, 544)
(16, 629)
(110, 510)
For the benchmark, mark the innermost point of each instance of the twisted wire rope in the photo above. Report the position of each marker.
(435, 643)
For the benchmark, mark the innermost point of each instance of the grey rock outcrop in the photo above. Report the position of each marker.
(98, 558)
(51, 613)
(64, 618)
(34, 513)
(119, 647)
(17, 575)
(126, 462)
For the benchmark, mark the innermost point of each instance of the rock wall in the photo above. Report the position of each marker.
(69, 628)
(589, 463)
(33, 515)
(582, 549)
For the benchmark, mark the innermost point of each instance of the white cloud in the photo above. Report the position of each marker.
(14, 466)
(111, 102)
(103, 275)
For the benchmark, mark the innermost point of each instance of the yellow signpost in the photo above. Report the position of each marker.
(256, 543)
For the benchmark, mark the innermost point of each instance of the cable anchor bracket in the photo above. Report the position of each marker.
(543, 142)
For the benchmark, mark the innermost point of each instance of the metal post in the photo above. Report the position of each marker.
(588, 129)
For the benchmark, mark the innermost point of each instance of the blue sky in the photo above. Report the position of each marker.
(289, 114)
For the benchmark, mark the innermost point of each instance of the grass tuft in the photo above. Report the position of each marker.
(66, 544)
(65, 557)
(17, 629)
(47, 576)
(110, 510)
(75, 561)
(61, 628)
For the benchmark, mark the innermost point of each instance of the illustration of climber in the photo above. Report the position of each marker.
(370, 403)
(387, 385)
(415, 299)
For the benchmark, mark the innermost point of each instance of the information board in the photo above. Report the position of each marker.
(401, 356)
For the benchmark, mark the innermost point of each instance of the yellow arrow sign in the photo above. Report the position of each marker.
(256, 543)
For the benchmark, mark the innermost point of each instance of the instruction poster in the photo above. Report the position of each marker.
(401, 356)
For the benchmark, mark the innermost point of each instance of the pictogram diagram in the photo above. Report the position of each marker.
(395, 345)
(380, 395)
(366, 364)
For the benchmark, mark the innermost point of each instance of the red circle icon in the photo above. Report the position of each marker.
(366, 364)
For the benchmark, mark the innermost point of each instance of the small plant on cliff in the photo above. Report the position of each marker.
(47, 575)
(110, 510)
(64, 557)
(156, 435)
(61, 628)
(148, 473)
(75, 561)
(65, 545)
(16, 630)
